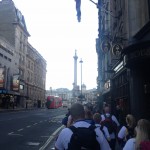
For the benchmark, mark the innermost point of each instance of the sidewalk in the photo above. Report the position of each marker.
(15, 109)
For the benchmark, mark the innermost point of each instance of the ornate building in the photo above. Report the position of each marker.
(25, 68)
(123, 49)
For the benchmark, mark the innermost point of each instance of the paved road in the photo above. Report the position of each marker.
(29, 129)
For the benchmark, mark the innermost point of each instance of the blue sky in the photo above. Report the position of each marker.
(56, 34)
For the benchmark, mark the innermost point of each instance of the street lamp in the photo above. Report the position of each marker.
(81, 76)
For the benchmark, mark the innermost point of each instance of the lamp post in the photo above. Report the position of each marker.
(81, 76)
(50, 90)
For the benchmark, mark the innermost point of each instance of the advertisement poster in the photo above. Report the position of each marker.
(15, 86)
(2, 77)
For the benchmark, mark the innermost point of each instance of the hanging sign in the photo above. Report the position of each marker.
(105, 46)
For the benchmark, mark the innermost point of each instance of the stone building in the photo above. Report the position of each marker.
(29, 67)
(123, 49)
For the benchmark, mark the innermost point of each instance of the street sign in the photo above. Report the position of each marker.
(105, 46)
(116, 50)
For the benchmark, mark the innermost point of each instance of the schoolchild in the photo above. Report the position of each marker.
(66, 136)
(97, 120)
(111, 122)
(127, 131)
(142, 139)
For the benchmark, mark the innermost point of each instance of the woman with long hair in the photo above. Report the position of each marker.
(127, 131)
(142, 139)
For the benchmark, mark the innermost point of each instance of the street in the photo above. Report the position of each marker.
(30, 129)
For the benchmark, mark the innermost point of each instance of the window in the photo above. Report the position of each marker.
(9, 59)
(1, 54)
(149, 8)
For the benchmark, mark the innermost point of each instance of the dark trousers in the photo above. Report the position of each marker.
(112, 144)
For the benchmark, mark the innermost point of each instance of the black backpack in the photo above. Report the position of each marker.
(109, 123)
(83, 139)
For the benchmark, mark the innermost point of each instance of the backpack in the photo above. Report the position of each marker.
(101, 128)
(109, 123)
(83, 139)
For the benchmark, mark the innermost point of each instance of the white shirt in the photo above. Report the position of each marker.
(65, 136)
(112, 135)
(112, 117)
(105, 131)
(130, 145)
(122, 133)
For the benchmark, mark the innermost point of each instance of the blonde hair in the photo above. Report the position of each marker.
(142, 132)
(130, 119)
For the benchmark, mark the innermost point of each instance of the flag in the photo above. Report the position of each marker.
(78, 5)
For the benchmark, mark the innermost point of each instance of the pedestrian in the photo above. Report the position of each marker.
(111, 122)
(65, 119)
(127, 131)
(97, 120)
(69, 139)
(88, 113)
(142, 139)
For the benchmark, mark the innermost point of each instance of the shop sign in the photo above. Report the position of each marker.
(119, 67)
(116, 50)
(139, 53)
(142, 53)
(2, 77)
(107, 85)
(3, 91)
(16, 82)
(105, 46)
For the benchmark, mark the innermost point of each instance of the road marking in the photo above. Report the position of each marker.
(15, 134)
(20, 129)
(35, 124)
(51, 138)
(41, 121)
(33, 143)
(44, 136)
(10, 133)
(28, 126)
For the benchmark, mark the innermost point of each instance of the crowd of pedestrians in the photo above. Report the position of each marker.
(87, 129)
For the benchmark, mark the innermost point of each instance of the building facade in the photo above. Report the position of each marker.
(25, 68)
(123, 49)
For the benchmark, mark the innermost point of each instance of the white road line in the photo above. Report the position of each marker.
(10, 133)
(15, 134)
(35, 124)
(41, 121)
(33, 143)
(51, 138)
(20, 130)
(28, 126)
(44, 136)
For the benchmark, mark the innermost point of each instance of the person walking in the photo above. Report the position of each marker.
(127, 131)
(88, 113)
(80, 135)
(142, 139)
(111, 122)
(97, 120)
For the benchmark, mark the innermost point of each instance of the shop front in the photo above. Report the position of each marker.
(136, 57)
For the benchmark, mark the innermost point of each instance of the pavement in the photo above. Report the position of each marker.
(15, 109)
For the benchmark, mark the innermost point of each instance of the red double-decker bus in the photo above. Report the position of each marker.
(53, 102)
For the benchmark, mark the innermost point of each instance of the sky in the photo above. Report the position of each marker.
(56, 34)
